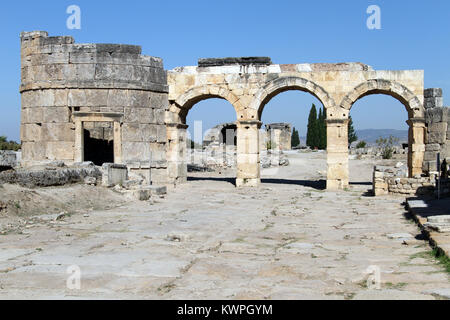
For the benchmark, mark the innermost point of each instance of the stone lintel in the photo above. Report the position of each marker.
(98, 116)
(218, 62)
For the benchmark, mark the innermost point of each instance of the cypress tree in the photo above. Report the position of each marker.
(322, 130)
(352, 137)
(295, 140)
(312, 135)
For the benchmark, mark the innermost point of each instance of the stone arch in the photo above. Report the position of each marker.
(276, 86)
(380, 86)
(414, 107)
(196, 94)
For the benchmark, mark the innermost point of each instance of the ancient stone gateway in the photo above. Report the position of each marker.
(72, 93)
(249, 84)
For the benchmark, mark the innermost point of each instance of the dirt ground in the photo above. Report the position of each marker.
(288, 239)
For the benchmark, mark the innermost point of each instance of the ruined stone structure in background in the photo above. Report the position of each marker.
(221, 135)
(437, 118)
(279, 135)
(98, 102)
(81, 97)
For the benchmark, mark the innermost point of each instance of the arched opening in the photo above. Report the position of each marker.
(284, 111)
(211, 140)
(379, 134)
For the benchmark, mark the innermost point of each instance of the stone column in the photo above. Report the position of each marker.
(248, 164)
(177, 152)
(337, 154)
(416, 150)
(79, 141)
(118, 143)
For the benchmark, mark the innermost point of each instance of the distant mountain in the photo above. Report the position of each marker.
(371, 135)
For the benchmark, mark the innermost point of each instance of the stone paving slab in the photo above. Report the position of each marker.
(433, 217)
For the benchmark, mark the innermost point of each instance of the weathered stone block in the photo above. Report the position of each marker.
(56, 115)
(60, 150)
(77, 98)
(114, 174)
(118, 98)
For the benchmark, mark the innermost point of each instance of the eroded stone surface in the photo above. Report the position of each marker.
(288, 239)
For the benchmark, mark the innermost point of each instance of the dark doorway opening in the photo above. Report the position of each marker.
(99, 151)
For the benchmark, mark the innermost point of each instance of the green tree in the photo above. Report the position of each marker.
(387, 146)
(295, 139)
(352, 137)
(8, 145)
(312, 135)
(322, 129)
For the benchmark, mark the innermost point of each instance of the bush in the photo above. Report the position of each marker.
(387, 146)
(361, 145)
(9, 145)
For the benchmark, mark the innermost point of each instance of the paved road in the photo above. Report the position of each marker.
(208, 240)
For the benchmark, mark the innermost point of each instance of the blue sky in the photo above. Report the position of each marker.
(414, 35)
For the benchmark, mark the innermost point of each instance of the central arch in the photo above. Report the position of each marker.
(260, 100)
(279, 85)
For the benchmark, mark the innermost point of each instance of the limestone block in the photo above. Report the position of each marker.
(114, 174)
(96, 97)
(248, 170)
(437, 115)
(159, 100)
(33, 151)
(56, 114)
(136, 132)
(60, 150)
(158, 151)
(58, 132)
(175, 170)
(161, 133)
(30, 132)
(430, 155)
(118, 98)
(32, 115)
(248, 159)
(445, 150)
(160, 176)
(432, 92)
(45, 98)
(135, 151)
(77, 98)
(139, 99)
(433, 147)
(337, 172)
(160, 116)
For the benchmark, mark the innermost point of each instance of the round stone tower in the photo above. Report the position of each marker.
(92, 102)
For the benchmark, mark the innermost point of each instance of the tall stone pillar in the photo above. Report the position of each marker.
(248, 163)
(337, 154)
(177, 152)
(416, 141)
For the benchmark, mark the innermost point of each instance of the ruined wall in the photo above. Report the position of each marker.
(437, 139)
(63, 81)
(279, 134)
